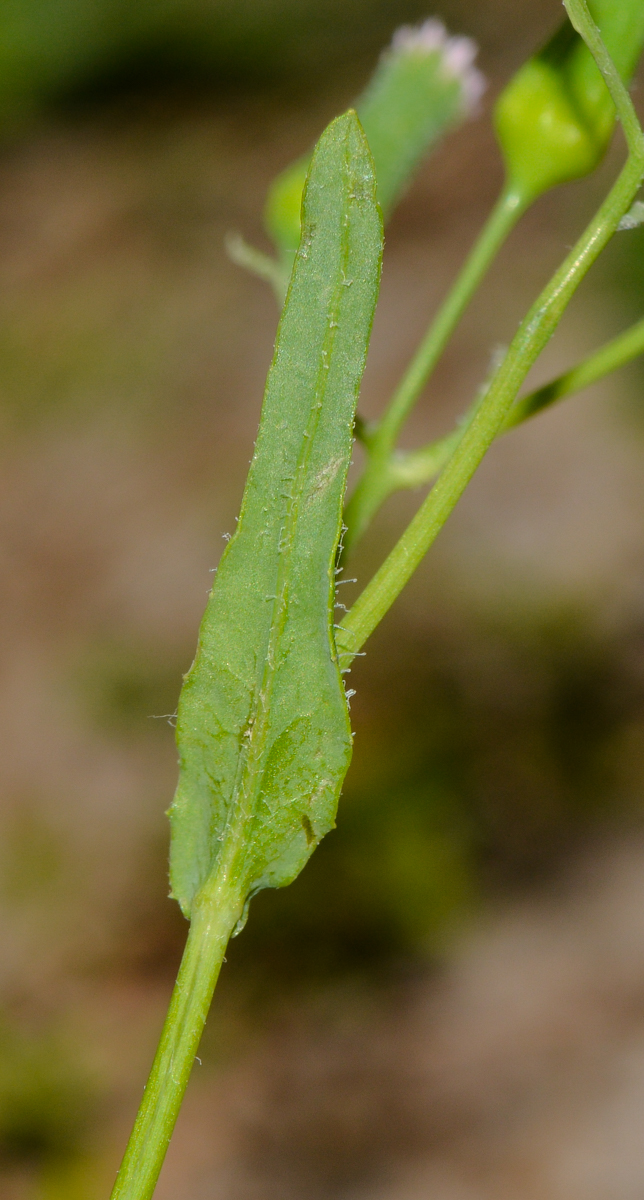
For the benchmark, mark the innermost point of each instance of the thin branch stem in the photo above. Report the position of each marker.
(413, 468)
(381, 438)
(501, 221)
(616, 353)
(251, 259)
(533, 334)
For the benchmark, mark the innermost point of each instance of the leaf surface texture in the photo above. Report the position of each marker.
(263, 728)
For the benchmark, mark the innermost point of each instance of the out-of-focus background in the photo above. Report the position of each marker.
(449, 1002)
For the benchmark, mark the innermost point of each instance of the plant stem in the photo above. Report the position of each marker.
(532, 335)
(373, 486)
(616, 353)
(413, 468)
(215, 915)
(258, 263)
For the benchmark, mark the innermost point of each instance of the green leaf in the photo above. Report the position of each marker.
(263, 728)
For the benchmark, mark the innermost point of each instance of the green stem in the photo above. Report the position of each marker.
(373, 486)
(258, 263)
(616, 353)
(415, 467)
(215, 914)
(533, 333)
(501, 221)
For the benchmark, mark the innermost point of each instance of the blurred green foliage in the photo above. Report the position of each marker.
(52, 49)
(125, 689)
(32, 863)
(45, 1100)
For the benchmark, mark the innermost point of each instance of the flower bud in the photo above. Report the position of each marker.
(425, 83)
(555, 118)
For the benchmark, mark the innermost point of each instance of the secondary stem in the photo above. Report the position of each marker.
(416, 467)
(533, 333)
(374, 484)
(620, 350)
(501, 221)
(214, 917)
(258, 263)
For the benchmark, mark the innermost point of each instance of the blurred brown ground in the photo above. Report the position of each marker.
(472, 1025)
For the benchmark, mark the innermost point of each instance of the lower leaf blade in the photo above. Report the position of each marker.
(263, 729)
